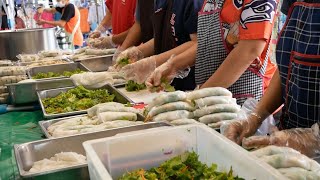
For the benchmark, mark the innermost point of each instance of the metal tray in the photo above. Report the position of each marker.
(28, 153)
(23, 93)
(45, 124)
(58, 68)
(97, 64)
(119, 97)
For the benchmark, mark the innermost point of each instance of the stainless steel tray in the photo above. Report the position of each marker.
(119, 97)
(45, 124)
(58, 68)
(97, 64)
(28, 153)
(23, 93)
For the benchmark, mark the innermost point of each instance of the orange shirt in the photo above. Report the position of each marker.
(250, 20)
(78, 38)
(84, 24)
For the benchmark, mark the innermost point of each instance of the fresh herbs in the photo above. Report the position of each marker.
(186, 167)
(76, 99)
(133, 86)
(124, 61)
(52, 74)
(165, 85)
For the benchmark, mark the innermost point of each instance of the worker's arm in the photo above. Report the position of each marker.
(147, 48)
(236, 63)
(133, 37)
(50, 10)
(119, 38)
(60, 23)
(185, 47)
(106, 21)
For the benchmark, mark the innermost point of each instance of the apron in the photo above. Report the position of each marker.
(164, 41)
(212, 52)
(298, 58)
(146, 15)
(71, 36)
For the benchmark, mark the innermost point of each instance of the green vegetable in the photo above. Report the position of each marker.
(165, 85)
(76, 99)
(52, 74)
(133, 86)
(184, 167)
(124, 61)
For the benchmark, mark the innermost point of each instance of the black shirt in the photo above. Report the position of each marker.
(4, 24)
(69, 12)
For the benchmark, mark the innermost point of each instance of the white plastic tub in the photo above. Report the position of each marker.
(109, 158)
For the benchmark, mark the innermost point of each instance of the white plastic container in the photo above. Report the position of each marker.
(109, 158)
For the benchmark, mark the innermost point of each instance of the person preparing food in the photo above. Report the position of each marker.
(232, 48)
(120, 16)
(295, 84)
(70, 20)
(175, 28)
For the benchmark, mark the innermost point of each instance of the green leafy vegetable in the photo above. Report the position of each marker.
(52, 74)
(124, 61)
(76, 99)
(133, 86)
(184, 167)
(165, 85)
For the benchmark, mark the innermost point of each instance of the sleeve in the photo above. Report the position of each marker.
(256, 19)
(191, 15)
(286, 4)
(68, 13)
(109, 4)
(59, 9)
(137, 12)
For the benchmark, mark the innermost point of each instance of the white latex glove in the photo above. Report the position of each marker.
(103, 43)
(128, 56)
(139, 71)
(97, 32)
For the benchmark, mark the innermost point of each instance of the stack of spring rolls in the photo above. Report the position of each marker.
(100, 117)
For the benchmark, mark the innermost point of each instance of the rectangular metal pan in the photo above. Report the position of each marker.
(45, 124)
(97, 64)
(59, 68)
(119, 97)
(23, 93)
(28, 153)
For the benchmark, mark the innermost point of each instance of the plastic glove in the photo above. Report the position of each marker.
(97, 32)
(165, 74)
(289, 161)
(304, 140)
(103, 43)
(139, 71)
(128, 56)
(116, 54)
(237, 130)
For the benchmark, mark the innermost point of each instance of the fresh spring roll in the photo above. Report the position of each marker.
(213, 100)
(206, 92)
(184, 121)
(213, 118)
(119, 109)
(219, 108)
(111, 116)
(93, 110)
(170, 107)
(173, 115)
(167, 98)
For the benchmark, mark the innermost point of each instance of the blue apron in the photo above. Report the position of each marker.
(298, 58)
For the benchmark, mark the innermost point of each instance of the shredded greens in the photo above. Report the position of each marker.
(133, 86)
(165, 85)
(52, 74)
(183, 167)
(76, 99)
(124, 61)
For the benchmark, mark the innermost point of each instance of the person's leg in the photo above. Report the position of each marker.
(76, 47)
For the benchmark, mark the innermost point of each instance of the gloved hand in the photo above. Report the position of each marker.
(289, 162)
(97, 32)
(139, 71)
(103, 43)
(128, 56)
(116, 54)
(304, 140)
(165, 74)
(238, 129)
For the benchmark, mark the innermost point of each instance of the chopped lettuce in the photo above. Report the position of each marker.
(186, 167)
(76, 99)
(52, 74)
(133, 86)
(124, 61)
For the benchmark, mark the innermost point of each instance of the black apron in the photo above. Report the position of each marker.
(298, 59)
(212, 52)
(146, 17)
(164, 41)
